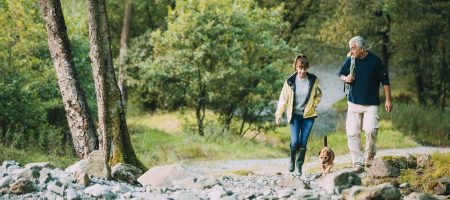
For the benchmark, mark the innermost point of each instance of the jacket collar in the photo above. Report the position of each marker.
(291, 80)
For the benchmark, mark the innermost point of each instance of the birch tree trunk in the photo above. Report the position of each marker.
(123, 51)
(115, 139)
(80, 122)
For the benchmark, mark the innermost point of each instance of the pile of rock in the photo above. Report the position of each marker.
(87, 179)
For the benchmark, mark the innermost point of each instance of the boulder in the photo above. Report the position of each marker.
(337, 181)
(419, 196)
(384, 191)
(442, 186)
(126, 172)
(5, 181)
(22, 186)
(423, 160)
(163, 176)
(389, 166)
(94, 165)
(39, 165)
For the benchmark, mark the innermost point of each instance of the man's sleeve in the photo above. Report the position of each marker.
(383, 74)
(345, 68)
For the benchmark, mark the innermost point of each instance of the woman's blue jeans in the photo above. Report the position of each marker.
(300, 130)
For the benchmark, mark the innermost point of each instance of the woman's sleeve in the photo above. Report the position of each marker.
(282, 101)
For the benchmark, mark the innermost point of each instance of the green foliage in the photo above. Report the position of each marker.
(426, 124)
(421, 42)
(157, 148)
(27, 76)
(35, 155)
(223, 55)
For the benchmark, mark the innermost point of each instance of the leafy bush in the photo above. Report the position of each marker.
(426, 124)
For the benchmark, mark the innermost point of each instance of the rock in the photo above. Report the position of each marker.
(82, 178)
(8, 163)
(30, 174)
(120, 189)
(94, 165)
(98, 191)
(404, 185)
(442, 186)
(423, 160)
(389, 166)
(39, 165)
(71, 194)
(337, 181)
(126, 172)
(22, 186)
(56, 187)
(189, 183)
(285, 193)
(217, 192)
(6, 181)
(290, 181)
(384, 191)
(419, 196)
(164, 175)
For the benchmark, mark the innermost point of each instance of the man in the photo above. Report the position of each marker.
(363, 100)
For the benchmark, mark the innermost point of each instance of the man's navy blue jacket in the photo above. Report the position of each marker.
(369, 72)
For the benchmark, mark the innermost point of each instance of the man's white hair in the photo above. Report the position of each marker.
(359, 42)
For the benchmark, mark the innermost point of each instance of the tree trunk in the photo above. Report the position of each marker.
(123, 51)
(115, 139)
(80, 122)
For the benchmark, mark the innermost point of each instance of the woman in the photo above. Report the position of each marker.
(300, 95)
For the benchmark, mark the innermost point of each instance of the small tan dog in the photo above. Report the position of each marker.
(326, 156)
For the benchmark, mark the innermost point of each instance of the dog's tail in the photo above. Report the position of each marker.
(325, 143)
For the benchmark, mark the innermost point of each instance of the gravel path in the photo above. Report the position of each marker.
(274, 166)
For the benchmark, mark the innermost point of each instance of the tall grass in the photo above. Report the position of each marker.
(428, 125)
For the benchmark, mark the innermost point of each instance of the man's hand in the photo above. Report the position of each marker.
(348, 79)
(277, 121)
(388, 105)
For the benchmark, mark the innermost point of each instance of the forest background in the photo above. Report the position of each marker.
(215, 69)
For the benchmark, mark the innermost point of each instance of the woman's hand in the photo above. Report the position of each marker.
(277, 121)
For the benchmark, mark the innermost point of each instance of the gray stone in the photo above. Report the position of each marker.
(6, 181)
(290, 181)
(384, 191)
(337, 181)
(161, 176)
(28, 173)
(44, 177)
(94, 165)
(8, 163)
(97, 190)
(423, 160)
(126, 172)
(71, 194)
(389, 166)
(216, 192)
(120, 189)
(82, 178)
(22, 186)
(442, 186)
(404, 185)
(39, 165)
(285, 193)
(56, 187)
(419, 196)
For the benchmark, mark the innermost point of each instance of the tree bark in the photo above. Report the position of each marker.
(123, 51)
(80, 122)
(115, 139)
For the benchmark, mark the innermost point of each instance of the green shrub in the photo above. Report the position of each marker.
(426, 124)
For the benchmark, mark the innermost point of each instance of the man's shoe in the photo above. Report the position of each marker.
(357, 169)
(369, 161)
